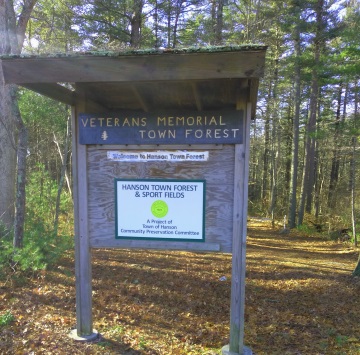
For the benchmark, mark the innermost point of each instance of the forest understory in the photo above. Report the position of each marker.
(301, 298)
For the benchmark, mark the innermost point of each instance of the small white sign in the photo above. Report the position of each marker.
(160, 209)
(172, 156)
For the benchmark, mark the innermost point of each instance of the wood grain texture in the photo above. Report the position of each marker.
(155, 147)
(241, 179)
(212, 65)
(54, 91)
(82, 244)
(156, 244)
(190, 79)
(166, 95)
(218, 173)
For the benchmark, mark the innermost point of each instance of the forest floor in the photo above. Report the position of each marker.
(300, 299)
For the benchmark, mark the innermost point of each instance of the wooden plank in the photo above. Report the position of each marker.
(93, 103)
(139, 98)
(254, 85)
(196, 96)
(218, 227)
(241, 173)
(175, 94)
(185, 66)
(54, 91)
(218, 173)
(155, 244)
(156, 147)
(82, 245)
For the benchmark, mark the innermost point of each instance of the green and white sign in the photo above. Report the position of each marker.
(160, 209)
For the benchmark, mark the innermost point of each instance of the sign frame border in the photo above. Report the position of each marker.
(130, 134)
(202, 240)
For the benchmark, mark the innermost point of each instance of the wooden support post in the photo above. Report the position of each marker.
(241, 178)
(84, 330)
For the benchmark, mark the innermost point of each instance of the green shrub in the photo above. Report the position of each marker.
(305, 228)
(41, 246)
(40, 250)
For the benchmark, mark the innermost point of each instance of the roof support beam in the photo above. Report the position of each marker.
(139, 98)
(197, 97)
(54, 91)
(92, 101)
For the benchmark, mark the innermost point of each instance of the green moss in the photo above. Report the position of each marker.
(148, 51)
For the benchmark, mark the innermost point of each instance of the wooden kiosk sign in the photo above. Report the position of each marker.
(160, 154)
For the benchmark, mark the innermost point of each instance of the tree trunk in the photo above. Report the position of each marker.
(64, 160)
(356, 272)
(177, 12)
(301, 210)
(7, 157)
(156, 25)
(274, 174)
(136, 20)
(288, 154)
(310, 145)
(266, 155)
(12, 35)
(20, 201)
(353, 172)
(275, 144)
(217, 14)
(169, 7)
(295, 127)
(318, 184)
(335, 164)
(7, 140)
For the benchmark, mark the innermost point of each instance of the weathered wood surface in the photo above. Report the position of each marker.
(241, 180)
(147, 96)
(54, 91)
(156, 147)
(191, 66)
(218, 173)
(82, 243)
(156, 244)
(201, 80)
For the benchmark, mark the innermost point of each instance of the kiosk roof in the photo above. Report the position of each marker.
(193, 78)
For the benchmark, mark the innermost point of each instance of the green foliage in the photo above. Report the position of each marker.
(45, 119)
(40, 201)
(4, 232)
(6, 252)
(41, 250)
(40, 241)
(142, 343)
(306, 229)
(42, 247)
(71, 25)
(6, 318)
(52, 27)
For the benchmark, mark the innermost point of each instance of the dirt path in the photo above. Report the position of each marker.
(300, 299)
